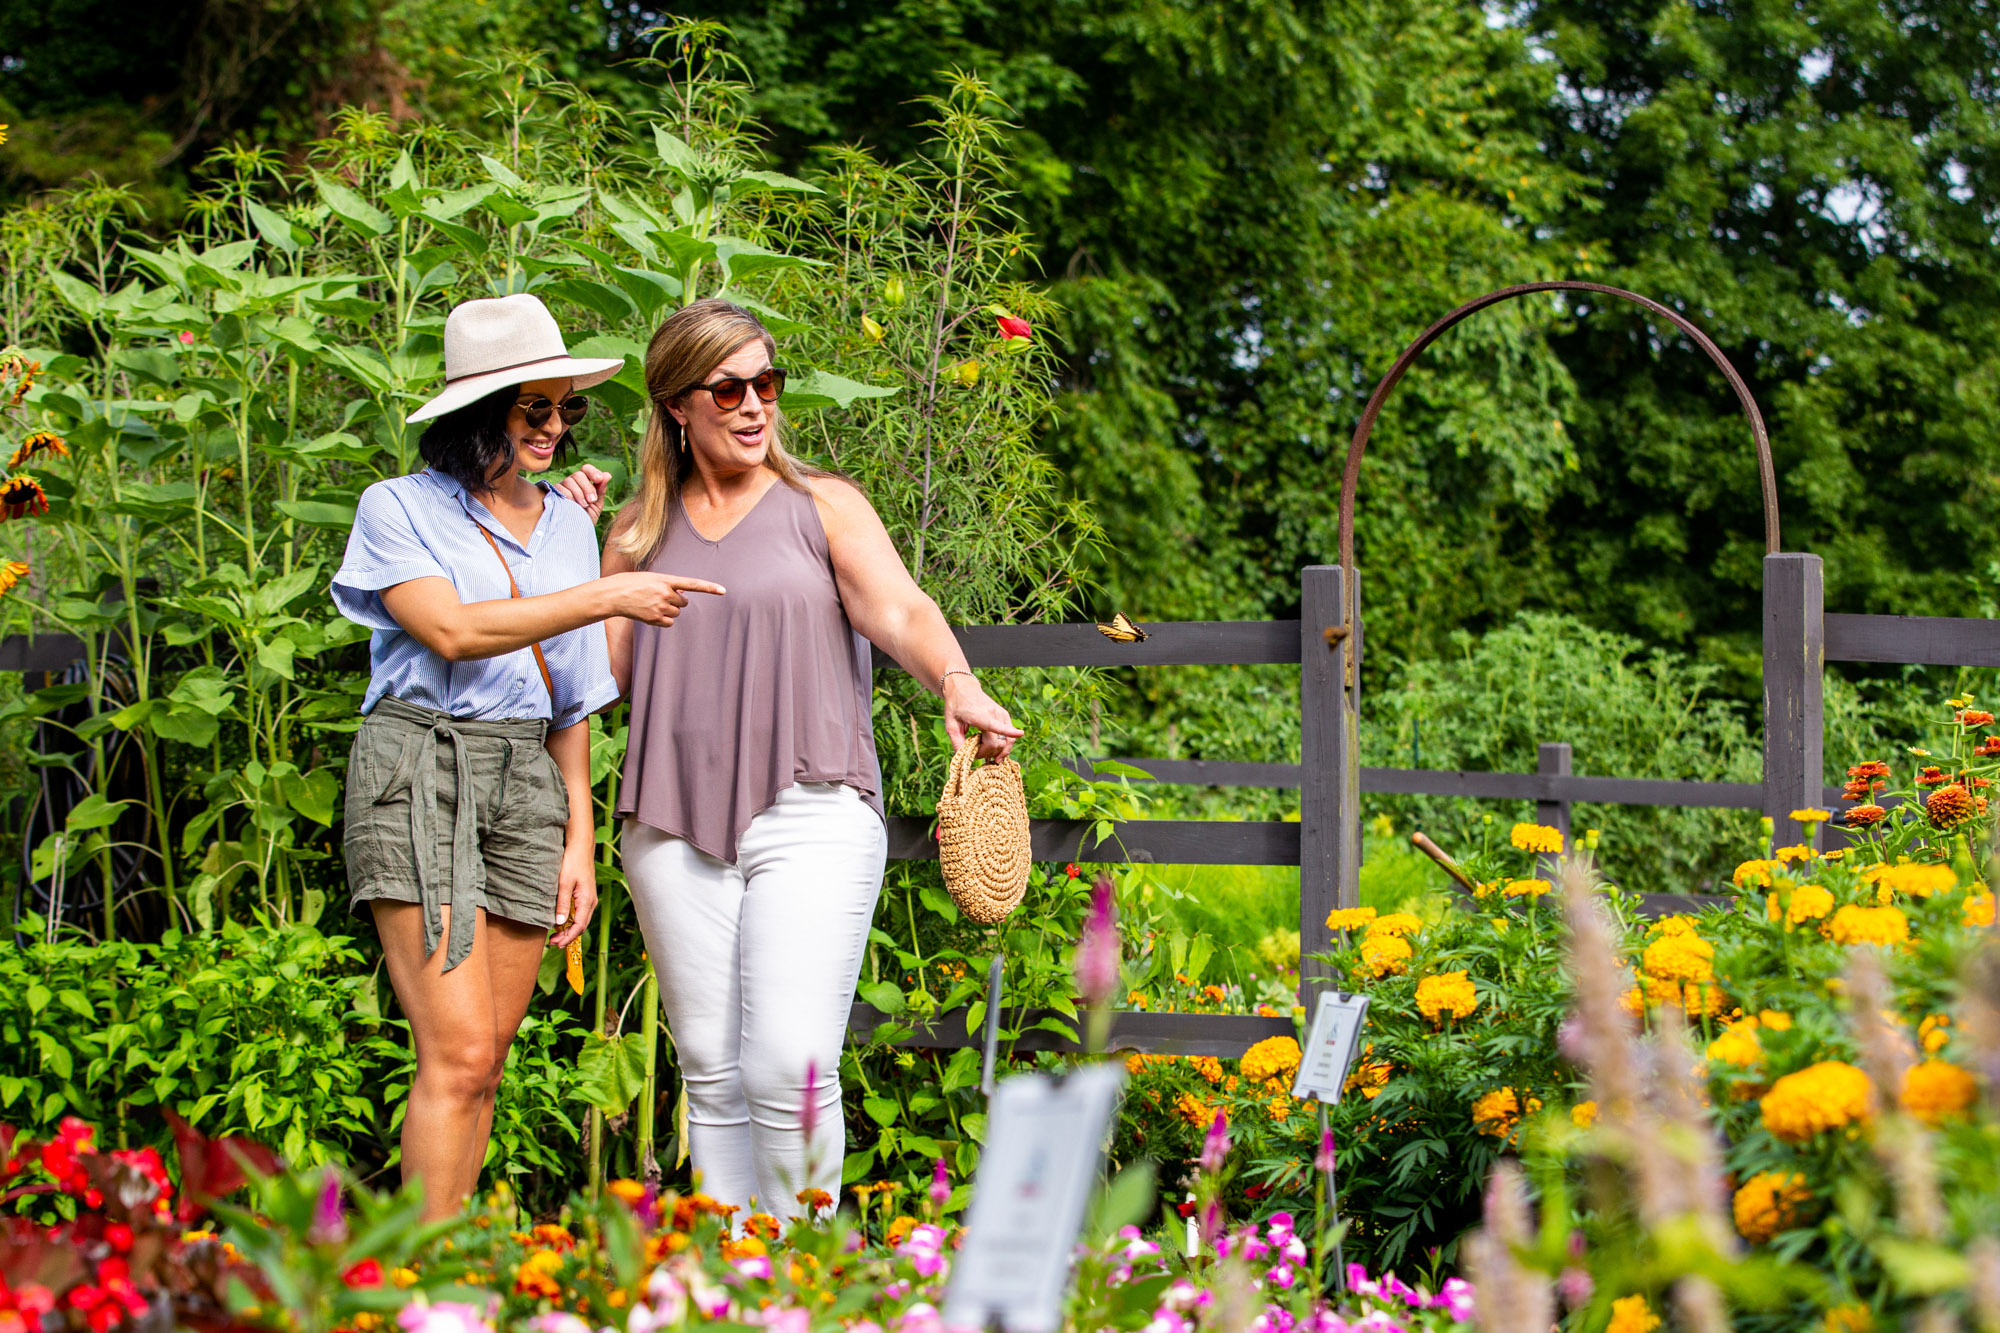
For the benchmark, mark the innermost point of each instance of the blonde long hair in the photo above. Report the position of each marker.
(685, 350)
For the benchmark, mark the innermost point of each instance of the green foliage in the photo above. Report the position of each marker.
(258, 1030)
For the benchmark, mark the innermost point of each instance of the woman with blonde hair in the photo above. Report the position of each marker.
(754, 841)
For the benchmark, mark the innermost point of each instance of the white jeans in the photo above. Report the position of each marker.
(757, 964)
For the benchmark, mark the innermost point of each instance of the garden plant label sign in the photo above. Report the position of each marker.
(1044, 1146)
(1330, 1047)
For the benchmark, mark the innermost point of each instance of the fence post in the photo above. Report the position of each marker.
(1794, 686)
(1329, 760)
(1552, 760)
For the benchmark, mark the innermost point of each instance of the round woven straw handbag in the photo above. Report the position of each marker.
(982, 833)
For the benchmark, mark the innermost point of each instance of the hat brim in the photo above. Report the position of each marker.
(587, 371)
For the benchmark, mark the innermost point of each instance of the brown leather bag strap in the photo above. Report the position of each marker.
(514, 590)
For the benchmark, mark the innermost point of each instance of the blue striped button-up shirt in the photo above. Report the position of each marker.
(426, 525)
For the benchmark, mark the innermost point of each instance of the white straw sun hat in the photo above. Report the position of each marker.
(505, 340)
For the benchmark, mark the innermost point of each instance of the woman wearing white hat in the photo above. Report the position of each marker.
(469, 828)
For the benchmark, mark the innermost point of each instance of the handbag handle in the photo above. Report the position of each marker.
(514, 590)
(961, 766)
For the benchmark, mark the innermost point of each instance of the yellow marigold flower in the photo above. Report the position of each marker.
(1979, 909)
(1737, 1045)
(1769, 1202)
(1868, 925)
(1527, 888)
(1938, 1090)
(1536, 838)
(1280, 1107)
(1673, 925)
(1853, 1317)
(1777, 1020)
(1499, 1111)
(536, 1274)
(900, 1228)
(1933, 1034)
(1449, 993)
(1919, 880)
(1828, 1095)
(1273, 1057)
(1349, 918)
(1137, 999)
(1808, 902)
(1811, 817)
(627, 1191)
(1386, 955)
(1787, 855)
(1631, 1314)
(11, 573)
(1583, 1115)
(1369, 1076)
(1208, 1067)
(1194, 1110)
(1757, 874)
(1680, 958)
(1396, 923)
(404, 1277)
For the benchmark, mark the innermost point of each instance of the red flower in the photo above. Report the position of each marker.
(1011, 328)
(367, 1273)
(187, 337)
(61, 1157)
(1975, 717)
(1931, 777)
(1988, 745)
(118, 1236)
(1185, 1208)
(1072, 871)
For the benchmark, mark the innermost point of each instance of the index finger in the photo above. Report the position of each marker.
(693, 585)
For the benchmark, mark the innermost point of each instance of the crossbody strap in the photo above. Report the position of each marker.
(514, 590)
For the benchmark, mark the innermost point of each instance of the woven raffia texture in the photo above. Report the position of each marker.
(982, 830)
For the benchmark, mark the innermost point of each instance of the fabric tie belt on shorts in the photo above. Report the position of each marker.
(424, 730)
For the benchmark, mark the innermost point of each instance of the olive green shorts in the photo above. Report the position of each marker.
(447, 810)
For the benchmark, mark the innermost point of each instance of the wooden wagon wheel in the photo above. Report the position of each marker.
(1351, 476)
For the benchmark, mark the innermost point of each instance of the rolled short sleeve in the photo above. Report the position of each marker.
(383, 550)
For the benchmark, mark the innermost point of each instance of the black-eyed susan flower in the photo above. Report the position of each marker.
(41, 442)
(22, 496)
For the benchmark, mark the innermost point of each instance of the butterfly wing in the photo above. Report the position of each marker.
(1122, 630)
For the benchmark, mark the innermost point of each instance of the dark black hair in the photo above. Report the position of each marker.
(470, 443)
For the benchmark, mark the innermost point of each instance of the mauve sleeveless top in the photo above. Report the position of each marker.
(750, 692)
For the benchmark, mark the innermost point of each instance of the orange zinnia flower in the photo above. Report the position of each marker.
(1932, 777)
(1861, 816)
(1874, 768)
(1948, 807)
(22, 496)
(1975, 717)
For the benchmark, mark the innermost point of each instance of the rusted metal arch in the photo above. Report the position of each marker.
(1351, 477)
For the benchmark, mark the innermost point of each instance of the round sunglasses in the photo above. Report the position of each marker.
(728, 392)
(538, 408)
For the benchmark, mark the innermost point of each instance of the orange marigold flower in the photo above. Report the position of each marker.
(816, 1200)
(1499, 1111)
(1828, 1095)
(1861, 816)
(1938, 1090)
(1948, 807)
(1868, 925)
(1583, 1115)
(1446, 994)
(1769, 1202)
(900, 1228)
(1193, 1110)
(762, 1225)
(1271, 1058)
(21, 496)
(536, 1274)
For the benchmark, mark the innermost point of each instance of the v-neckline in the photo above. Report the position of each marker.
(755, 505)
(523, 542)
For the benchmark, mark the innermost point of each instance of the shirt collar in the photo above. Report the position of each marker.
(480, 514)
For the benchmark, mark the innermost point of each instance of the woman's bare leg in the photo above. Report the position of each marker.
(460, 1041)
(514, 958)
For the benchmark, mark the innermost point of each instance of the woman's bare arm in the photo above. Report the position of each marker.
(885, 605)
(430, 610)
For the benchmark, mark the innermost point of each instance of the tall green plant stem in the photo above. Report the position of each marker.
(649, 1004)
